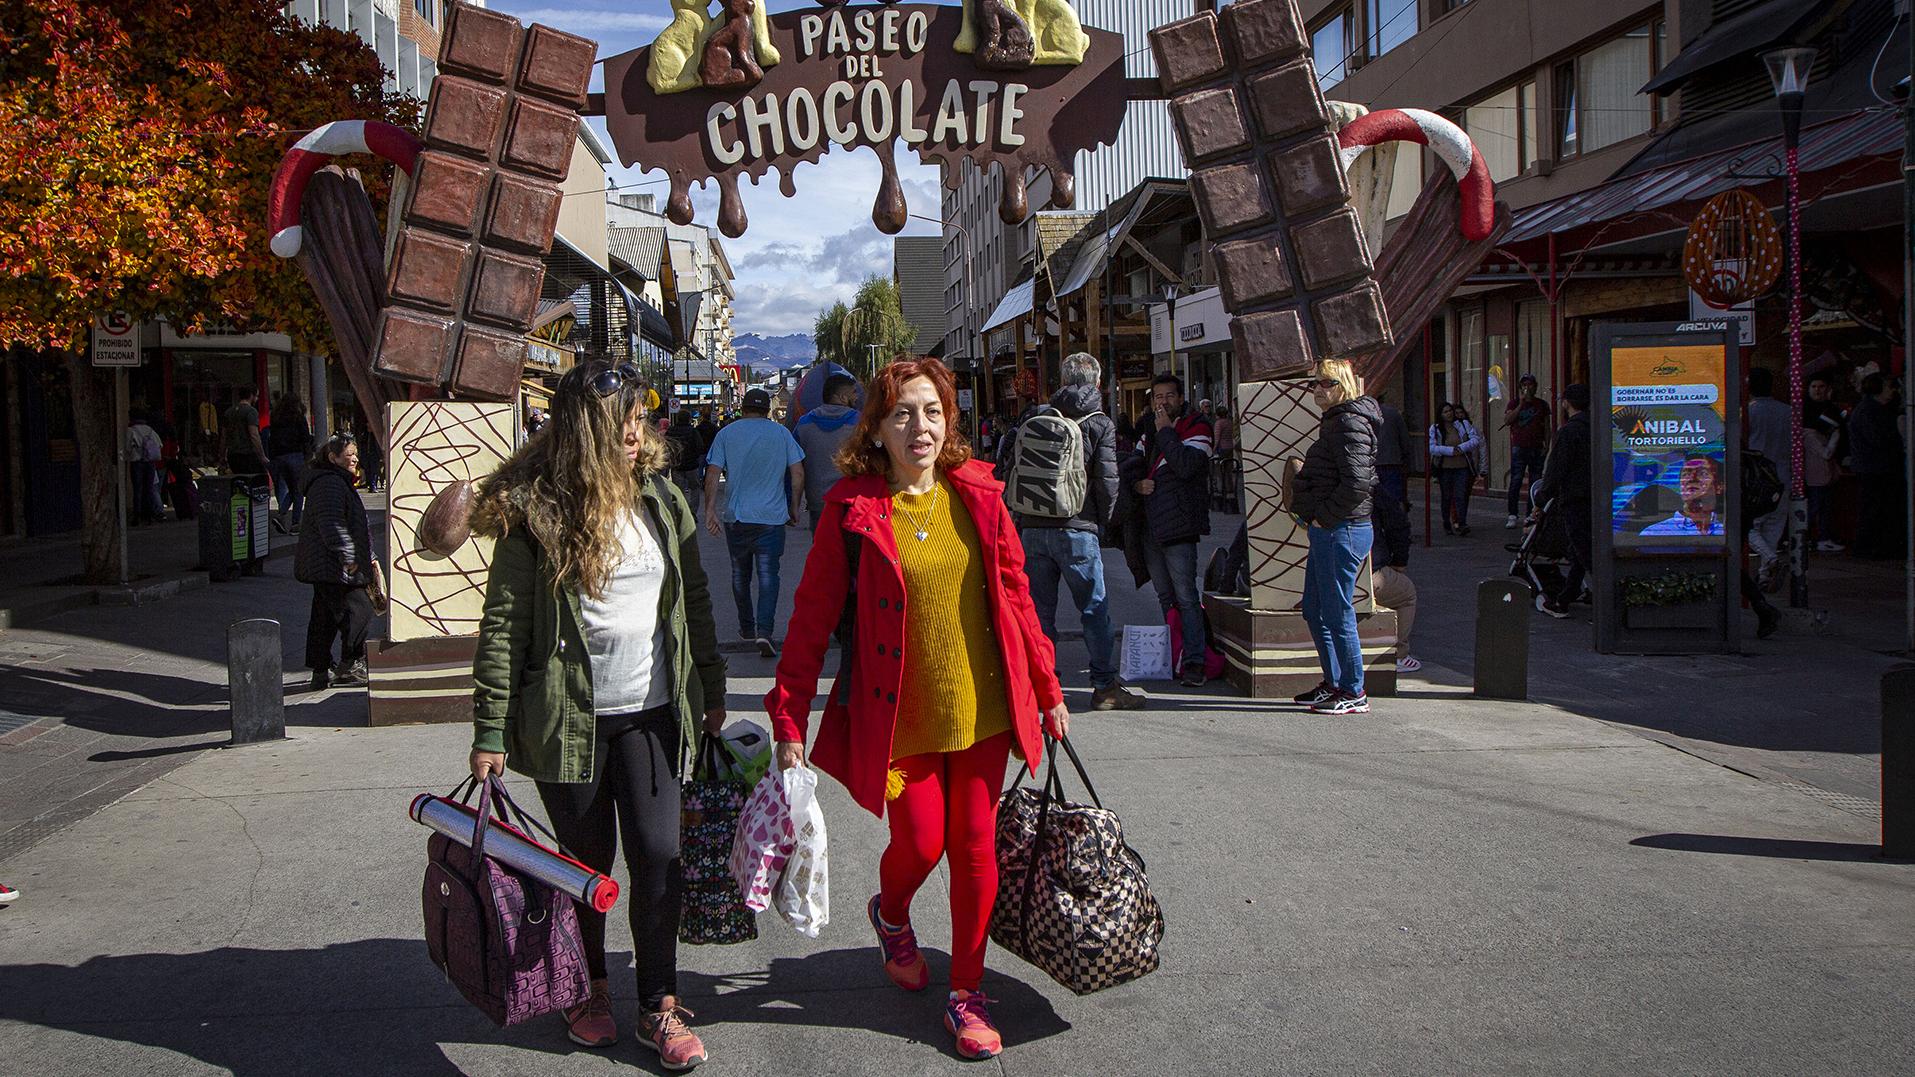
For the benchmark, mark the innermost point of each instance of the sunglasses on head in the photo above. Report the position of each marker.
(612, 379)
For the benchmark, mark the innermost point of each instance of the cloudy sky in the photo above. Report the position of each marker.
(799, 255)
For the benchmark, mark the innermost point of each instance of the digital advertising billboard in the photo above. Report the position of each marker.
(1668, 438)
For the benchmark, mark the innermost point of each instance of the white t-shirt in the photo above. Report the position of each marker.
(623, 633)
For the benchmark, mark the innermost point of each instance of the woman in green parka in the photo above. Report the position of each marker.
(597, 664)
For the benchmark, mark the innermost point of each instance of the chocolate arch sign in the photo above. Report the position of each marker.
(869, 77)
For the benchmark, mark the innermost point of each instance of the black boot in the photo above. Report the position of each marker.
(1767, 620)
(321, 681)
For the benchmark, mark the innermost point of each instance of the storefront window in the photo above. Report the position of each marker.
(205, 384)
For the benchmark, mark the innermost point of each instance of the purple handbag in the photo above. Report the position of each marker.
(507, 941)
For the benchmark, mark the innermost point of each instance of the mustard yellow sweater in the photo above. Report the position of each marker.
(953, 687)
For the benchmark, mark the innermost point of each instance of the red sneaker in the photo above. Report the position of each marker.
(665, 1032)
(967, 1019)
(902, 961)
(589, 1024)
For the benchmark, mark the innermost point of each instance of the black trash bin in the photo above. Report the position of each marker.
(235, 532)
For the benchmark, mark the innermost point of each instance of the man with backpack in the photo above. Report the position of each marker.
(1061, 486)
(1176, 493)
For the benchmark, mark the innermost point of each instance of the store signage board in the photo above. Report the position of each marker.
(1666, 482)
(116, 340)
(730, 97)
(1742, 316)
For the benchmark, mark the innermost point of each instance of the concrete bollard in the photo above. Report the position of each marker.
(1898, 762)
(254, 672)
(1502, 639)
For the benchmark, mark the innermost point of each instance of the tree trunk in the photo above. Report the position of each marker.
(99, 440)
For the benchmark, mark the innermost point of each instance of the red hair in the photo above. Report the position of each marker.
(860, 457)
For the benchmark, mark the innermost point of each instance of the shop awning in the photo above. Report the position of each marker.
(641, 248)
(1104, 234)
(1824, 146)
(1015, 304)
(1757, 28)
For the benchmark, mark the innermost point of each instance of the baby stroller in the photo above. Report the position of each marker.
(1542, 554)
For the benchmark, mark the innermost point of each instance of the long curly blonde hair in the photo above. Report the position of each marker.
(570, 484)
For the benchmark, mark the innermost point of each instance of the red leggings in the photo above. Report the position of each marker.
(949, 807)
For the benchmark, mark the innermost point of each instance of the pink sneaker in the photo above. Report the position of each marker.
(902, 961)
(968, 1020)
(665, 1032)
(589, 1024)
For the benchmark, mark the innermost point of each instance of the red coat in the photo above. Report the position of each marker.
(854, 739)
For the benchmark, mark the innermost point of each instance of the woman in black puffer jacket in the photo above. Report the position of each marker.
(1331, 496)
(335, 557)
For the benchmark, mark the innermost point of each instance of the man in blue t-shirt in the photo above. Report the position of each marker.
(765, 480)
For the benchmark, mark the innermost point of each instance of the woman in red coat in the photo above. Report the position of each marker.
(946, 674)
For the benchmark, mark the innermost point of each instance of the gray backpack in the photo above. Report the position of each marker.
(1048, 477)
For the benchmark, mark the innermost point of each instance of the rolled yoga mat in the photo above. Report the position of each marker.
(513, 848)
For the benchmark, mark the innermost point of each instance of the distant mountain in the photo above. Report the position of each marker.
(792, 350)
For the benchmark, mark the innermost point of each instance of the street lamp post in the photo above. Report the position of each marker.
(1170, 302)
(1789, 71)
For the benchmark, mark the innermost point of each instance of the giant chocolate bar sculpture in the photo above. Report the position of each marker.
(435, 346)
(1295, 268)
(499, 131)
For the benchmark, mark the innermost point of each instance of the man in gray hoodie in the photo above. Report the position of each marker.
(820, 432)
(1069, 549)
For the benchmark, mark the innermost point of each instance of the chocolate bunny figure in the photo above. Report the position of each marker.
(731, 53)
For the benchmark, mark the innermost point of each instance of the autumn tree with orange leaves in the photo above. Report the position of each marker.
(137, 142)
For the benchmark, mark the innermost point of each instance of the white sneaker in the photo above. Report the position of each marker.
(1829, 546)
(1408, 664)
(1509, 524)
(8, 894)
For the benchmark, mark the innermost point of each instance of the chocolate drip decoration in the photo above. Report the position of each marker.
(890, 213)
(1063, 188)
(731, 208)
(678, 208)
(1016, 202)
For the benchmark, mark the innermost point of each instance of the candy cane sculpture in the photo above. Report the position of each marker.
(311, 153)
(1450, 143)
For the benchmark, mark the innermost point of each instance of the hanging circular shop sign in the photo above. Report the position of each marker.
(1012, 83)
(1734, 250)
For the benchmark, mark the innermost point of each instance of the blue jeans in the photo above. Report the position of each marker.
(1173, 572)
(1329, 600)
(1054, 553)
(1525, 467)
(758, 546)
(286, 469)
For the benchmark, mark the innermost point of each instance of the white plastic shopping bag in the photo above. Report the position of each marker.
(1146, 653)
(764, 842)
(804, 896)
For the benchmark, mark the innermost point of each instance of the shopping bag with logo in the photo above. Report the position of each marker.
(804, 895)
(1145, 655)
(1072, 897)
(765, 839)
(709, 807)
(1214, 662)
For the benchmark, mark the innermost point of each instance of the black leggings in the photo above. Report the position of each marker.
(634, 790)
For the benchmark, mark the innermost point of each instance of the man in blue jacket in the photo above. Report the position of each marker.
(1176, 493)
(820, 433)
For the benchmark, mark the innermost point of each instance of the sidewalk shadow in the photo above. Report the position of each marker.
(124, 703)
(834, 989)
(372, 1006)
(1780, 848)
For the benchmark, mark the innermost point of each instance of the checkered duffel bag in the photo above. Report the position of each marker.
(1072, 898)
